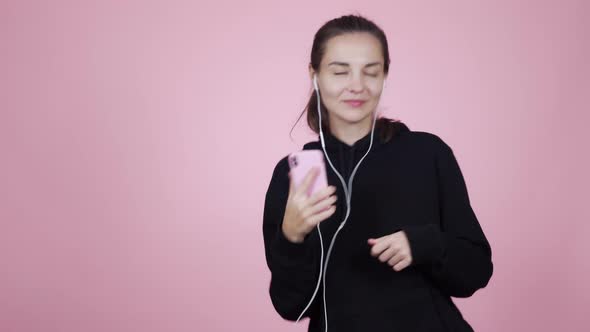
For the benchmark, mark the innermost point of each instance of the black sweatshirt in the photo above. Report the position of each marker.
(411, 183)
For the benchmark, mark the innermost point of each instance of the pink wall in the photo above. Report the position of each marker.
(131, 199)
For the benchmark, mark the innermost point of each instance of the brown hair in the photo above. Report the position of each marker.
(338, 26)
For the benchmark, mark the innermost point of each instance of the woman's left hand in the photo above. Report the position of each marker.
(393, 249)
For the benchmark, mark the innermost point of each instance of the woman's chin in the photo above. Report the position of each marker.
(349, 118)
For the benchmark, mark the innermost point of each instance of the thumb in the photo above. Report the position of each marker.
(291, 185)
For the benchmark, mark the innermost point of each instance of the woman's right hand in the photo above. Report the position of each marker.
(302, 212)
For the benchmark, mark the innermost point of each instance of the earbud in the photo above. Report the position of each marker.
(315, 82)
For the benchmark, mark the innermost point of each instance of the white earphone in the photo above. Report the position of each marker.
(315, 82)
(347, 193)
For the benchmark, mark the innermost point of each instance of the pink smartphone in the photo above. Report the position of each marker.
(301, 162)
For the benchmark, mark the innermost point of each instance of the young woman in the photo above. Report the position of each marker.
(390, 255)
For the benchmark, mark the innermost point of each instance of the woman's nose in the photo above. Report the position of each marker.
(356, 83)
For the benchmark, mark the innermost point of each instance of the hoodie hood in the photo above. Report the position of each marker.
(333, 143)
(344, 156)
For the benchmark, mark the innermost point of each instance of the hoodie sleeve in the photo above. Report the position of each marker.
(454, 253)
(294, 267)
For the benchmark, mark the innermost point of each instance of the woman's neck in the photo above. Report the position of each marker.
(349, 134)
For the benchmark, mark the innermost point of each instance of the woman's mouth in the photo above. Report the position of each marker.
(355, 102)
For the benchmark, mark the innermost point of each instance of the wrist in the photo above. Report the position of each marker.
(291, 237)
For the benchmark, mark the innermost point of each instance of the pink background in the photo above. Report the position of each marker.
(138, 139)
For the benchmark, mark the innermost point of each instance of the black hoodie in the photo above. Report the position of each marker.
(411, 183)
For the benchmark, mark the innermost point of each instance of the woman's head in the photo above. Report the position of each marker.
(350, 57)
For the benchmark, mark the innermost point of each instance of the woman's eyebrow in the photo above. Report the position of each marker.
(339, 63)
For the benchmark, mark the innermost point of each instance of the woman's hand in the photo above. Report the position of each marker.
(393, 249)
(302, 212)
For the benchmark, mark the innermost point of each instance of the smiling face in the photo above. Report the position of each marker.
(351, 70)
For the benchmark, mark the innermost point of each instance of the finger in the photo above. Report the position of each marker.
(320, 206)
(379, 239)
(394, 259)
(373, 241)
(379, 247)
(307, 181)
(321, 194)
(387, 254)
(319, 217)
(291, 184)
(402, 265)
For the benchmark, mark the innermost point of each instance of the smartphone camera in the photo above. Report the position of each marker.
(293, 161)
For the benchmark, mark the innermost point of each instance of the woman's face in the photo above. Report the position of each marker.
(351, 69)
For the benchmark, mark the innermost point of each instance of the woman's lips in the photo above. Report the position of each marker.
(355, 103)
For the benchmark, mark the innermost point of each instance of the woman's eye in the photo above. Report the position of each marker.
(344, 73)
